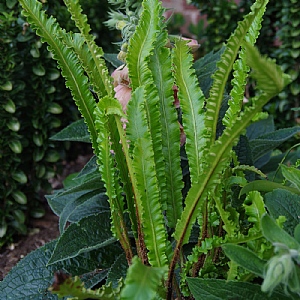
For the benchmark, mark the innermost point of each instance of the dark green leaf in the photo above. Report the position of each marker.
(265, 186)
(217, 289)
(260, 127)
(76, 132)
(267, 142)
(205, 67)
(245, 258)
(92, 232)
(58, 201)
(291, 174)
(113, 59)
(90, 167)
(31, 277)
(75, 204)
(118, 270)
(284, 203)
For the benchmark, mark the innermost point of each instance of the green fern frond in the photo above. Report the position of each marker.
(50, 32)
(66, 286)
(141, 48)
(90, 54)
(241, 70)
(143, 164)
(142, 43)
(192, 102)
(161, 66)
(107, 169)
(224, 68)
(269, 76)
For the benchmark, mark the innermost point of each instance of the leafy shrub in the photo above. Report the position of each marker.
(34, 104)
(171, 220)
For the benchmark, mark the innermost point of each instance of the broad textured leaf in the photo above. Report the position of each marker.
(74, 204)
(142, 282)
(118, 270)
(292, 175)
(275, 234)
(284, 203)
(192, 102)
(265, 143)
(205, 67)
(60, 199)
(77, 132)
(217, 289)
(92, 232)
(90, 167)
(260, 127)
(113, 59)
(31, 277)
(245, 258)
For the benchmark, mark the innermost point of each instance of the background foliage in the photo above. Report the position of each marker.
(34, 104)
(279, 38)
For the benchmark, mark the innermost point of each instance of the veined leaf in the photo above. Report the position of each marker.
(263, 144)
(77, 131)
(291, 174)
(245, 258)
(31, 277)
(275, 234)
(76, 81)
(191, 101)
(205, 67)
(92, 232)
(217, 289)
(284, 203)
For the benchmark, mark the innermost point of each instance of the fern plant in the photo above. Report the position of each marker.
(137, 192)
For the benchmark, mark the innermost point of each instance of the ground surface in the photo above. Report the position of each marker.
(41, 230)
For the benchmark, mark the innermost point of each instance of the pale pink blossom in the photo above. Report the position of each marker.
(193, 44)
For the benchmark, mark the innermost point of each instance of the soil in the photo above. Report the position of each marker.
(40, 231)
